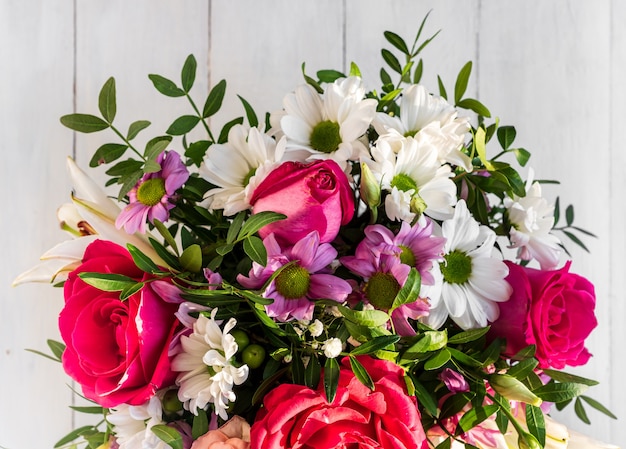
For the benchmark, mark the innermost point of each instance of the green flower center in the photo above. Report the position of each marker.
(457, 267)
(151, 191)
(411, 133)
(293, 282)
(381, 290)
(407, 256)
(246, 178)
(404, 182)
(325, 136)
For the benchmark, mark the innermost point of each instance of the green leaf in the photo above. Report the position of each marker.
(214, 100)
(506, 136)
(474, 105)
(595, 404)
(312, 372)
(329, 76)
(156, 146)
(200, 424)
(310, 81)
(188, 74)
(168, 435)
(361, 373)
(107, 153)
(522, 369)
(385, 78)
(579, 408)
(368, 318)
(419, 70)
(397, 42)
(130, 290)
(166, 234)
(84, 123)
(391, 60)
(331, 378)
(56, 347)
(536, 423)
(197, 151)
(88, 410)
(250, 114)
(135, 128)
(108, 282)
(576, 240)
(354, 70)
(257, 221)
(191, 258)
(464, 359)
(438, 360)
(476, 415)
(255, 250)
(461, 81)
(429, 341)
(563, 377)
(129, 180)
(559, 392)
(445, 444)
(468, 336)
(143, 262)
(425, 397)
(151, 166)
(409, 292)
(166, 86)
(223, 137)
(182, 125)
(481, 148)
(73, 435)
(569, 215)
(522, 156)
(106, 100)
(376, 344)
(525, 353)
(455, 403)
(442, 89)
(235, 227)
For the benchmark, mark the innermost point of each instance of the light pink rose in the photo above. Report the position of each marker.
(295, 416)
(552, 309)
(314, 197)
(116, 350)
(234, 434)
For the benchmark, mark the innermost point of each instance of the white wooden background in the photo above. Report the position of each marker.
(554, 69)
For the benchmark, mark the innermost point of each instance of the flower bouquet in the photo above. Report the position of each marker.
(354, 271)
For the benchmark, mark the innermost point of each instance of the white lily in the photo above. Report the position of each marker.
(90, 216)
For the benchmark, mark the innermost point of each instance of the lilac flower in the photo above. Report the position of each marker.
(305, 277)
(151, 198)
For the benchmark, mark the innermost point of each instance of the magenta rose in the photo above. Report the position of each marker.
(295, 416)
(116, 350)
(314, 197)
(552, 309)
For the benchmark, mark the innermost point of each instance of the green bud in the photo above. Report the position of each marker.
(170, 402)
(369, 188)
(527, 441)
(512, 389)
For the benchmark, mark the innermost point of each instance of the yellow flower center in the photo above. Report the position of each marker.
(381, 290)
(293, 282)
(325, 137)
(151, 191)
(457, 267)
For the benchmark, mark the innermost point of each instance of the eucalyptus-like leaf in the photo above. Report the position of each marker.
(257, 221)
(250, 114)
(188, 74)
(214, 100)
(255, 250)
(368, 318)
(419, 70)
(579, 408)
(183, 125)
(442, 357)
(397, 42)
(559, 392)
(569, 215)
(106, 100)
(428, 341)
(191, 258)
(168, 435)
(166, 234)
(442, 89)
(312, 372)
(564, 377)
(474, 105)
(425, 397)
(130, 290)
(84, 123)
(235, 227)
(598, 406)
(461, 81)
(468, 336)
(156, 146)
(135, 128)
(376, 344)
(143, 262)
(107, 153)
(108, 282)
(536, 423)
(361, 373)
(166, 86)
(56, 347)
(391, 61)
(331, 379)
(522, 369)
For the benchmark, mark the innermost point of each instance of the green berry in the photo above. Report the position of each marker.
(170, 402)
(253, 356)
(241, 338)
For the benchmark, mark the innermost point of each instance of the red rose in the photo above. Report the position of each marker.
(117, 350)
(295, 416)
(314, 197)
(553, 310)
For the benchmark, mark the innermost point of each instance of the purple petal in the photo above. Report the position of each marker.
(327, 286)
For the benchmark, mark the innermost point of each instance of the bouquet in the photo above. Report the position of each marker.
(361, 269)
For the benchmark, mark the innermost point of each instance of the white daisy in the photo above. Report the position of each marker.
(532, 218)
(207, 375)
(327, 126)
(238, 167)
(473, 280)
(132, 424)
(431, 118)
(414, 178)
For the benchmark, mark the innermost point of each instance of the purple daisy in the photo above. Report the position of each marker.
(305, 277)
(151, 198)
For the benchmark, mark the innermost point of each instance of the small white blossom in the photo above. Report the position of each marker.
(206, 373)
(332, 348)
(132, 424)
(316, 328)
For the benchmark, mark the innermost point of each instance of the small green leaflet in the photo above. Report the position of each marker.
(108, 282)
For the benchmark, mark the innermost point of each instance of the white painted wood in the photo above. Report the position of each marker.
(552, 69)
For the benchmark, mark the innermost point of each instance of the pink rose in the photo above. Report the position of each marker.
(117, 350)
(553, 310)
(295, 416)
(314, 197)
(234, 434)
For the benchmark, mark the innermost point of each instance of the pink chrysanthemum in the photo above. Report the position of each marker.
(307, 277)
(151, 198)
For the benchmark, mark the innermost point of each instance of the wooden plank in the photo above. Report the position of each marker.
(36, 89)
(544, 68)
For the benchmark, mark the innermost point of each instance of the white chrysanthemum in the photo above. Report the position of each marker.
(132, 424)
(473, 280)
(432, 118)
(238, 167)
(207, 374)
(417, 182)
(532, 218)
(327, 126)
